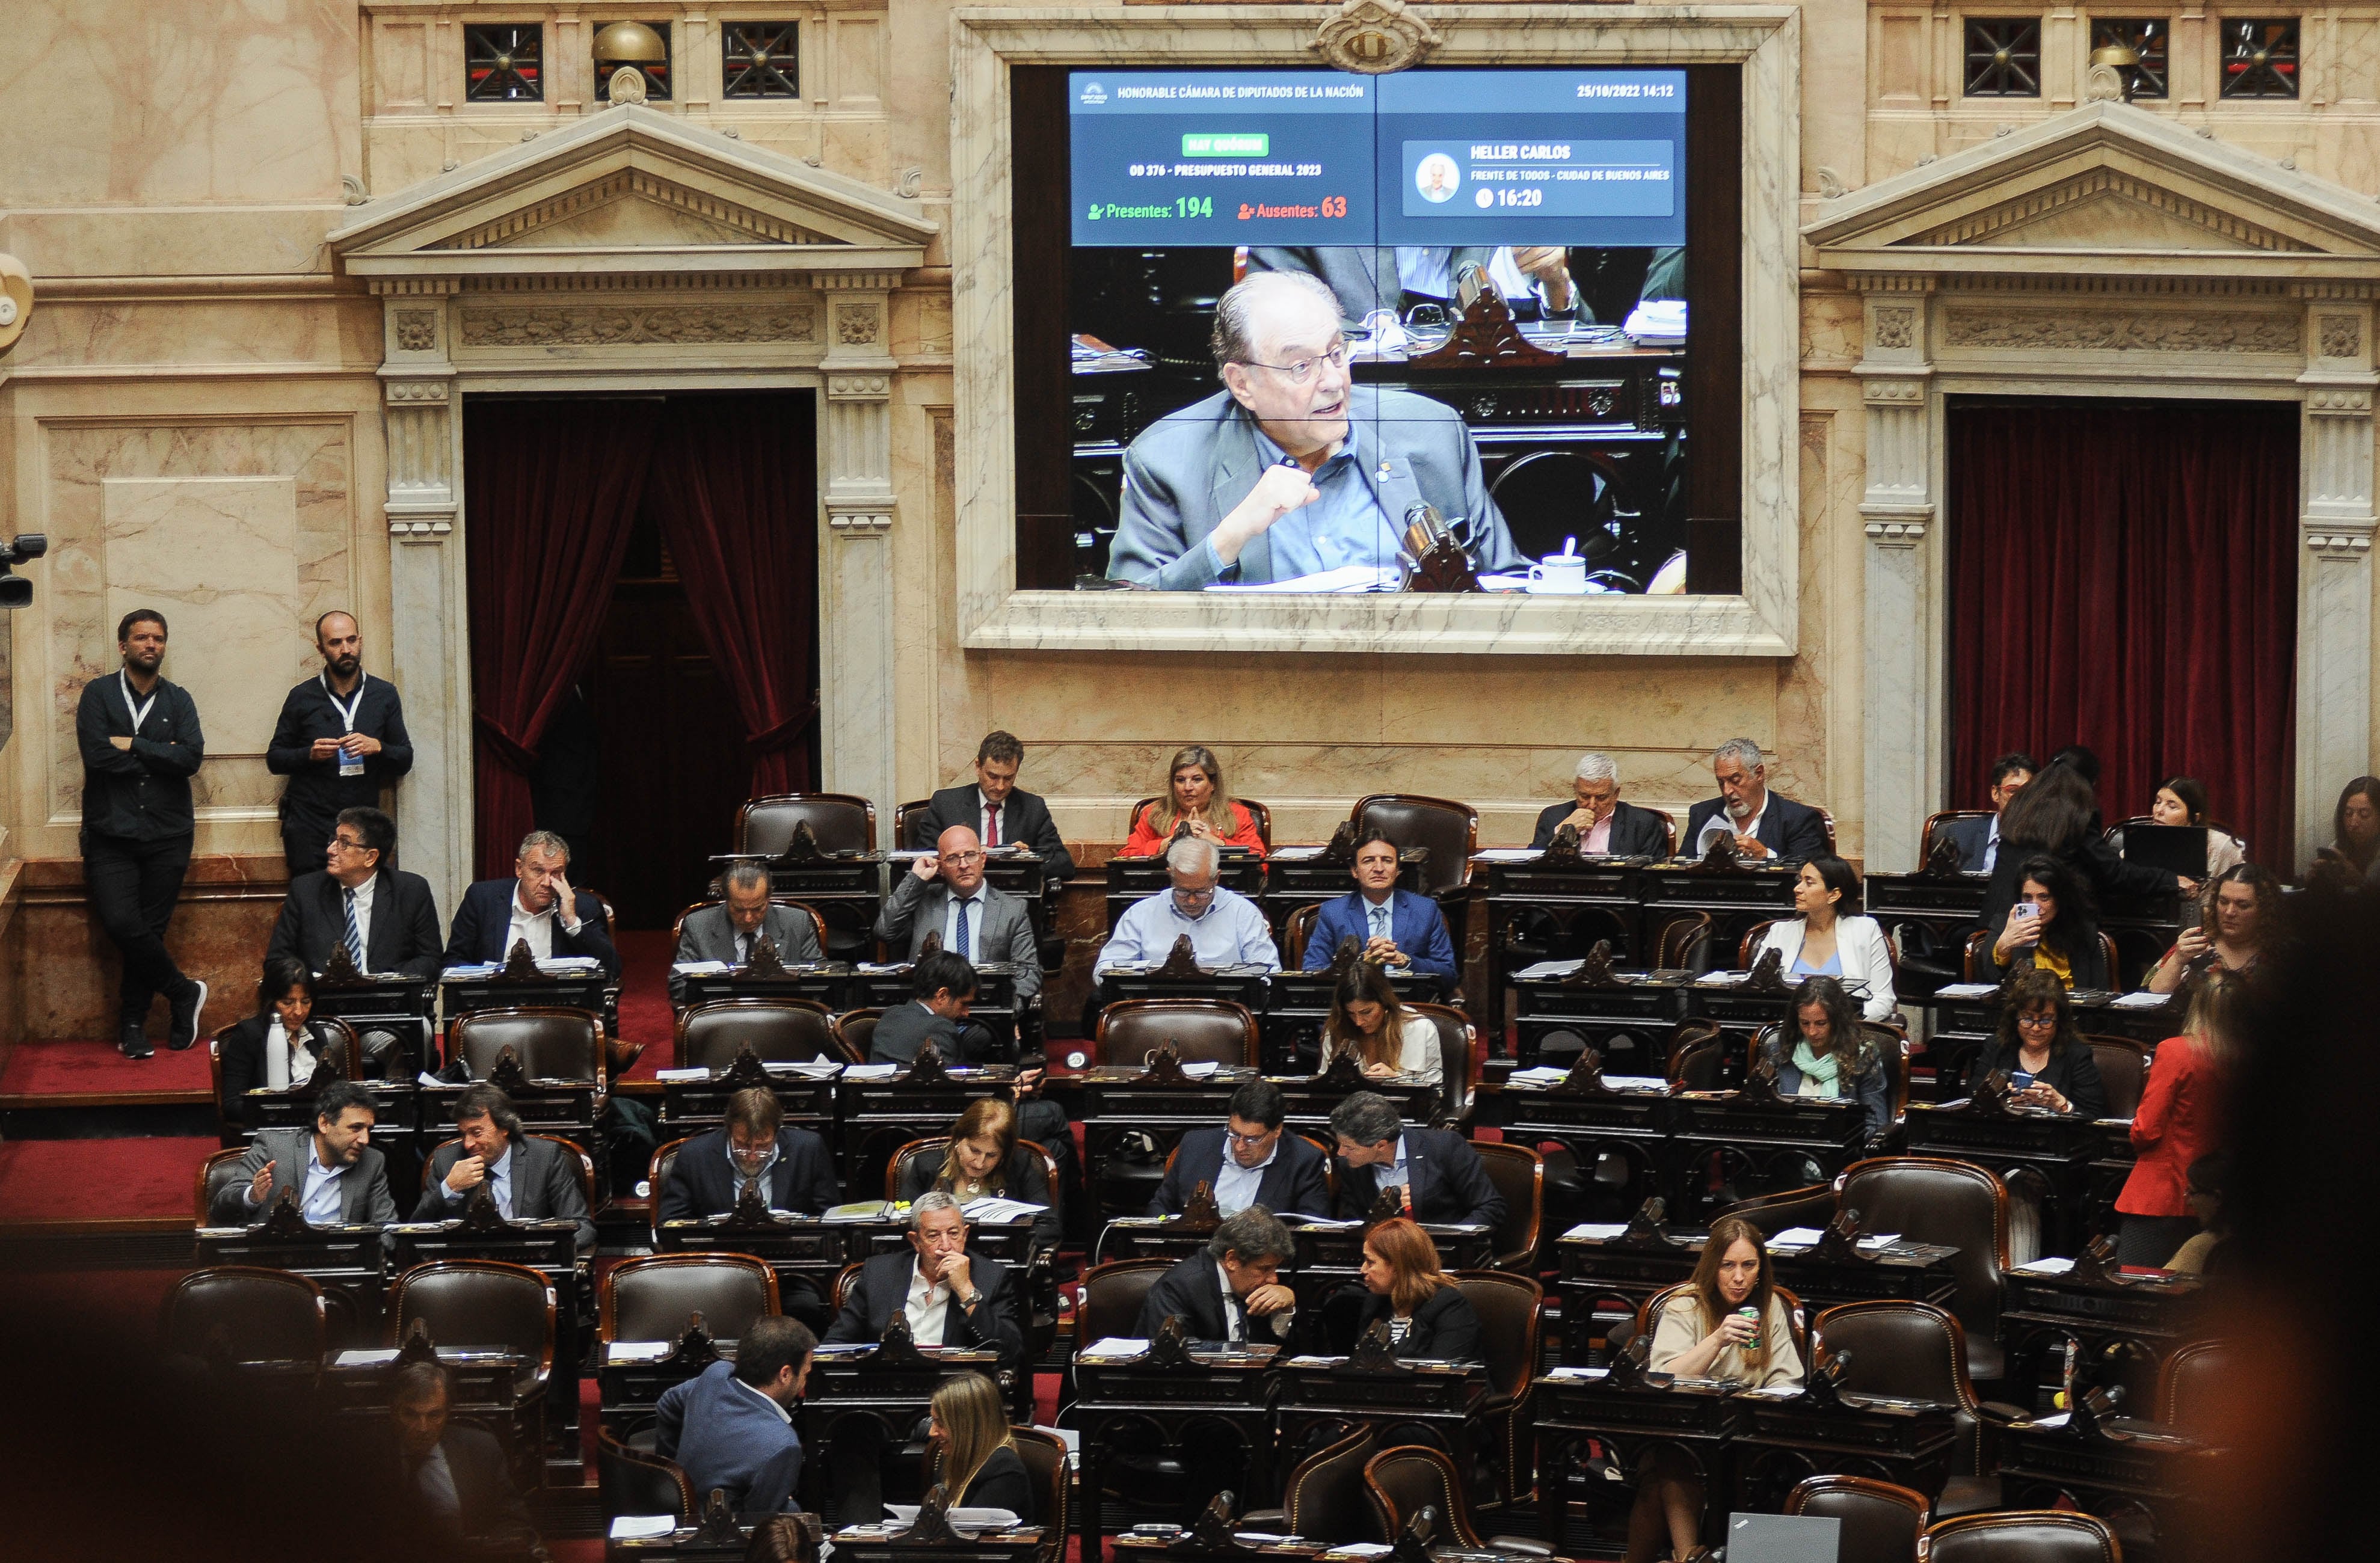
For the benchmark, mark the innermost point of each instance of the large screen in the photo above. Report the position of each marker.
(1318, 321)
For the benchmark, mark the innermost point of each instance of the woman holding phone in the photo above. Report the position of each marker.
(2040, 1049)
(2231, 938)
(2051, 927)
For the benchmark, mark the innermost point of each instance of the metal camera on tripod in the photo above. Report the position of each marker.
(16, 591)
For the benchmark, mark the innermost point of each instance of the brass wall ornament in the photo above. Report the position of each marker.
(1375, 37)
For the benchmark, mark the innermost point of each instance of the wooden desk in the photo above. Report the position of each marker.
(1698, 1418)
(800, 1249)
(1626, 1130)
(564, 1109)
(1539, 910)
(1628, 1027)
(2163, 1477)
(1920, 911)
(1735, 898)
(2056, 1149)
(2125, 1330)
(484, 1390)
(1118, 1102)
(872, 986)
(1135, 879)
(1310, 1097)
(1789, 1436)
(879, 1114)
(1963, 1021)
(880, 1544)
(1296, 1003)
(1607, 1277)
(1295, 877)
(1730, 1147)
(346, 1261)
(820, 982)
(847, 891)
(1901, 1272)
(1166, 1439)
(1323, 1399)
(595, 993)
(401, 1006)
(1249, 987)
(548, 1247)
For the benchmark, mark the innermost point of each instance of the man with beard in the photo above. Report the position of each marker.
(1762, 823)
(141, 745)
(340, 739)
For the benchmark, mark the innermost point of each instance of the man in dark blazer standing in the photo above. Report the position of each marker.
(943, 986)
(1441, 1173)
(1763, 824)
(732, 930)
(1231, 1290)
(996, 811)
(950, 1295)
(1604, 824)
(535, 1178)
(1394, 927)
(384, 916)
(440, 1488)
(1979, 839)
(1253, 1160)
(340, 739)
(337, 1176)
(538, 906)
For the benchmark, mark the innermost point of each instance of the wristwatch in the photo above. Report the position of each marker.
(971, 1302)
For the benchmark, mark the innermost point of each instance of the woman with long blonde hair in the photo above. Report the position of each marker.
(1195, 792)
(978, 1465)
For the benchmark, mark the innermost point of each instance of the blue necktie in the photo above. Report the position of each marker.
(965, 949)
(1379, 922)
(355, 940)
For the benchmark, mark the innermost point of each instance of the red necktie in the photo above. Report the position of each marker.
(991, 824)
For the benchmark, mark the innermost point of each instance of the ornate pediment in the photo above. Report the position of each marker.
(631, 190)
(2103, 184)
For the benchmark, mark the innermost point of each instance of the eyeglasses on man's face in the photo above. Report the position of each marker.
(961, 859)
(1302, 371)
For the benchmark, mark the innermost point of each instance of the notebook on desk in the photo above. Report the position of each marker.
(2176, 849)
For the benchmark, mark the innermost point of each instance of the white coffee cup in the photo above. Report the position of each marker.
(1559, 574)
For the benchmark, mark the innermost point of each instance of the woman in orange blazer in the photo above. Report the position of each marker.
(2179, 1119)
(1194, 792)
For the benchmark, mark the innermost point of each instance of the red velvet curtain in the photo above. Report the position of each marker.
(2125, 578)
(551, 490)
(735, 491)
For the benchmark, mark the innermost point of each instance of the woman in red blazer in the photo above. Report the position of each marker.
(1194, 792)
(2179, 1119)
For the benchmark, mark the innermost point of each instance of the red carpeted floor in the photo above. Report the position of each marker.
(84, 1069)
(45, 1180)
(645, 1014)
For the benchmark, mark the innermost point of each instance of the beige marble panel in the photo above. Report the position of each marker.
(202, 331)
(400, 58)
(1899, 74)
(857, 61)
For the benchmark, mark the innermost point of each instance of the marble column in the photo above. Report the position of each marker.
(855, 540)
(1896, 511)
(429, 637)
(2335, 571)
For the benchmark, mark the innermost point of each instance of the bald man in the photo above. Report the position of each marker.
(944, 894)
(341, 739)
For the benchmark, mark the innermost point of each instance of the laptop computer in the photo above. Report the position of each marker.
(2176, 849)
(1783, 1538)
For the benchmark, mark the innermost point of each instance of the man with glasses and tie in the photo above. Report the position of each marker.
(1251, 1160)
(945, 895)
(1396, 928)
(385, 918)
(1293, 469)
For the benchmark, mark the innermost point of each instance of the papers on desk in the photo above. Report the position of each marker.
(968, 1521)
(1637, 1083)
(1322, 1223)
(846, 1348)
(819, 1068)
(1578, 1373)
(703, 968)
(1347, 579)
(428, 1079)
(2140, 1001)
(637, 1351)
(1512, 855)
(2049, 1265)
(365, 1359)
(871, 1071)
(1658, 322)
(669, 1074)
(994, 1209)
(1807, 1237)
(1770, 1392)
(1361, 1549)
(1115, 1348)
(1546, 969)
(1541, 1074)
(1314, 1362)
(561, 965)
(1596, 1231)
(1966, 990)
(1200, 1070)
(857, 1210)
(2058, 1421)
(642, 1527)
(1722, 979)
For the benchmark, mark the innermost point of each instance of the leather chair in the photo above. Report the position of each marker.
(1258, 813)
(1685, 944)
(1403, 1482)
(551, 1044)
(906, 818)
(1958, 1204)
(483, 1302)
(1459, 1058)
(854, 1033)
(936, 1150)
(1916, 1351)
(636, 1481)
(818, 923)
(1519, 1174)
(1511, 1310)
(1108, 1302)
(845, 1279)
(1935, 824)
(2124, 1070)
(841, 822)
(258, 1315)
(1450, 829)
(657, 1176)
(1697, 1054)
(2197, 1387)
(1881, 1523)
(1812, 1206)
(1650, 1309)
(649, 1299)
(1202, 1029)
(218, 1172)
(1324, 1499)
(777, 1030)
(2023, 1535)
(1293, 935)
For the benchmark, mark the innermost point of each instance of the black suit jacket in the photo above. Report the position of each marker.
(1023, 819)
(882, 1291)
(1298, 1179)
(1025, 1179)
(1002, 1483)
(545, 1184)
(1446, 1326)
(1634, 832)
(404, 923)
(1787, 828)
(494, 1521)
(486, 915)
(1448, 1184)
(908, 1026)
(241, 1049)
(1975, 839)
(1193, 1289)
(702, 1183)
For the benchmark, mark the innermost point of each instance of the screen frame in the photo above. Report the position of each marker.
(1749, 497)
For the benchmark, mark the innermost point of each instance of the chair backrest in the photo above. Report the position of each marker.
(1404, 1481)
(1261, 815)
(1051, 1474)
(1970, 966)
(1325, 1499)
(218, 1172)
(1519, 1174)
(2198, 1389)
(845, 1279)
(1931, 1199)
(906, 819)
(1891, 1045)
(1669, 831)
(2123, 1069)
(1911, 1349)
(1509, 1309)
(841, 822)
(854, 1033)
(550, 1043)
(1937, 823)
(636, 1481)
(657, 1176)
(818, 921)
(477, 1302)
(1750, 943)
(777, 1030)
(1458, 1055)
(1111, 1295)
(650, 1299)
(2023, 1535)
(1450, 829)
(1811, 1206)
(1203, 1030)
(260, 1316)
(1684, 941)
(1881, 1523)
(1293, 935)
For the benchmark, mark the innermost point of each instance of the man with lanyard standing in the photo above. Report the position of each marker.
(340, 739)
(141, 746)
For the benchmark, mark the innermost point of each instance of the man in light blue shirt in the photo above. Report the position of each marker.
(1224, 926)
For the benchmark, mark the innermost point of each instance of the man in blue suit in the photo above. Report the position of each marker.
(1763, 824)
(1389, 925)
(732, 1426)
(1267, 1165)
(1979, 839)
(536, 904)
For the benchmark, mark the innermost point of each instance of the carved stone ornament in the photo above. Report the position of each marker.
(417, 329)
(855, 325)
(505, 1074)
(1896, 326)
(1375, 1351)
(604, 325)
(520, 965)
(1374, 37)
(1170, 1347)
(1596, 970)
(1199, 1212)
(2102, 84)
(2342, 336)
(695, 1348)
(2059, 331)
(745, 1071)
(1340, 851)
(626, 86)
(1181, 960)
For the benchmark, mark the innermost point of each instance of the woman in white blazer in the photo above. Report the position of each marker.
(1829, 937)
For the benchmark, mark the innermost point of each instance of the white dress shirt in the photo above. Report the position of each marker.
(363, 894)
(1230, 932)
(927, 1307)
(537, 928)
(1236, 1186)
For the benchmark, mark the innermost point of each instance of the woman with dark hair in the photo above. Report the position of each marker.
(2182, 800)
(1728, 1322)
(986, 1161)
(2052, 927)
(1830, 1055)
(2040, 1050)
(1827, 936)
(277, 1047)
(2056, 817)
(2238, 916)
(1427, 1313)
(1194, 793)
(2354, 850)
(2179, 1119)
(1387, 1039)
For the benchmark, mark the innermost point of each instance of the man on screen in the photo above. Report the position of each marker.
(1293, 469)
(1535, 279)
